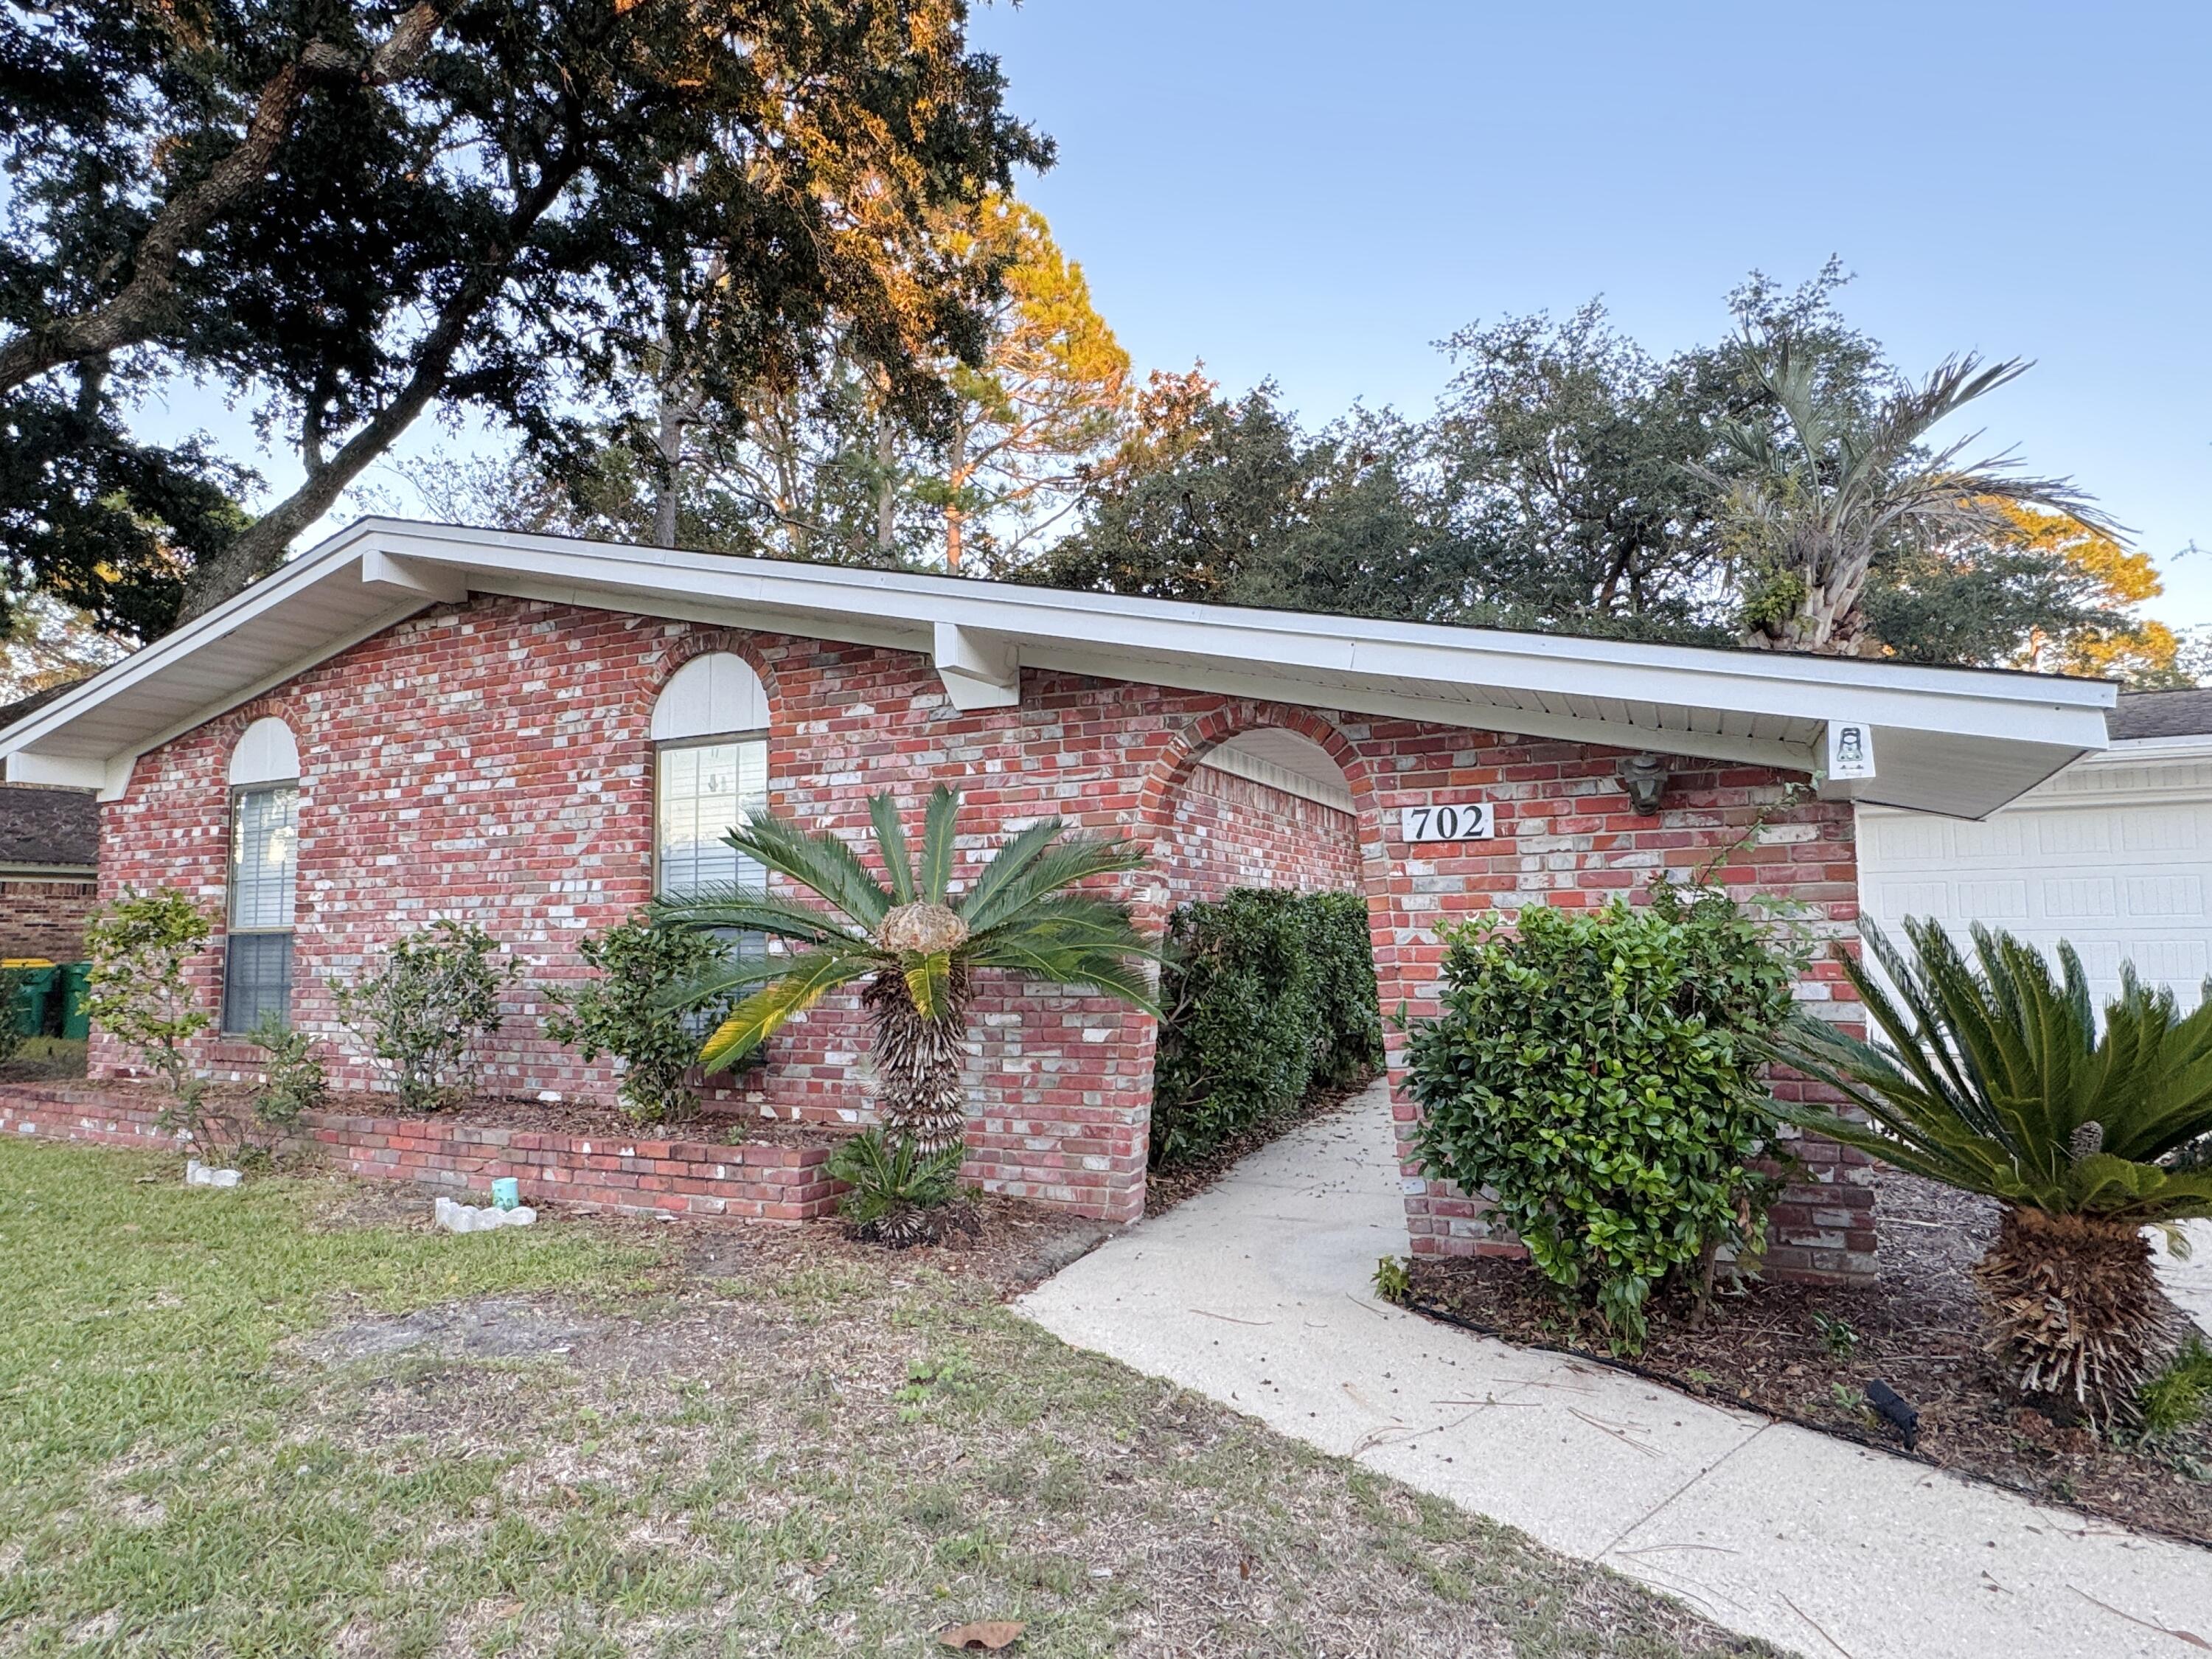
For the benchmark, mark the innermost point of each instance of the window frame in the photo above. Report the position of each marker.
(665, 746)
(238, 794)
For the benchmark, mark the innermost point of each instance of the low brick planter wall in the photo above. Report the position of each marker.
(755, 1181)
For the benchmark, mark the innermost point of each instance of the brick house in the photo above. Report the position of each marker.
(49, 869)
(536, 734)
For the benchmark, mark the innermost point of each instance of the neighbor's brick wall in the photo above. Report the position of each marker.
(46, 918)
(1232, 831)
(492, 761)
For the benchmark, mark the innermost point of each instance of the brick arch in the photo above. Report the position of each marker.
(703, 642)
(1164, 780)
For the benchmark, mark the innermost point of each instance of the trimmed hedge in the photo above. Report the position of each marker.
(1269, 997)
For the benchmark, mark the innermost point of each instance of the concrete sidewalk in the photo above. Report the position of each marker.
(1258, 1294)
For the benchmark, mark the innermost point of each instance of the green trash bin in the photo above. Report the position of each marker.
(37, 985)
(76, 990)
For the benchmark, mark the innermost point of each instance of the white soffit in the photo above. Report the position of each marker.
(1282, 760)
(1958, 741)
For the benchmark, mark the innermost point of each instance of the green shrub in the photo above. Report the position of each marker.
(422, 1013)
(12, 981)
(900, 1196)
(1595, 1074)
(1350, 1021)
(139, 993)
(627, 1012)
(1267, 995)
(292, 1077)
(2178, 1396)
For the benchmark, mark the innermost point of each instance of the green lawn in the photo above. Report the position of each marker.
(289, 1420)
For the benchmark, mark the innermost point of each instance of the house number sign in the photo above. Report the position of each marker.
(1464, 820)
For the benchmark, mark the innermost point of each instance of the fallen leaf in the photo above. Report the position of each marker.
(989, 1636)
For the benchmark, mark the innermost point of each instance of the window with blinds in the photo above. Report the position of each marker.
(706, 790)
(265, 847)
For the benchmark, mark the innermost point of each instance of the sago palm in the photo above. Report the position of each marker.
(1813, 496)
(917, 946)
(1992, 1075)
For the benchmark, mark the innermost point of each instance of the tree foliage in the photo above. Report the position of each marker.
(141, 992)
(352, 212)
(1048, 397)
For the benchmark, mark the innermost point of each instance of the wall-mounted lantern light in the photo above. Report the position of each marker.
(1644, 779)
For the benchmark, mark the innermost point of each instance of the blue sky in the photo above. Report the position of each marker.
(1318, 192)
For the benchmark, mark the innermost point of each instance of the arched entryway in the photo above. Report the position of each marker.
(1262, 797)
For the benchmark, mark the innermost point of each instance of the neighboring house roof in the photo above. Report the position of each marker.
(2140, 714)
(1963, 741)
(47, 829)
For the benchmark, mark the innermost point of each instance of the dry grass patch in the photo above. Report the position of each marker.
(371, 1440)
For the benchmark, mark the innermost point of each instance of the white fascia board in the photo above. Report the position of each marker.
(1258, 653)
(205, 631)
(1440, 711)
(1967, 701)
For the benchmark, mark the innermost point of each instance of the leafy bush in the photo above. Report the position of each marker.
(420, 1014)
(2179, 1395)
(12, 981)
(138, 993)
(1350, 1021)
(1268, 996)
(900, 1196)
(1595, 1074)
(292, 1076)
(627, 1012)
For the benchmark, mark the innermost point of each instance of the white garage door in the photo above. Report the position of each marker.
(2115, 854)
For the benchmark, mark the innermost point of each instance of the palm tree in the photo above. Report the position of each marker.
(1816, 494)
(1992, 1077)
(918, 949)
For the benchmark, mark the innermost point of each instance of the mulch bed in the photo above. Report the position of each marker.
(1166, 1187)
(1013, 1247)
(1918, 1329)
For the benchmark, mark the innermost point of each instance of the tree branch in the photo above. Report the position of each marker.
(135, 314)
(262, 547)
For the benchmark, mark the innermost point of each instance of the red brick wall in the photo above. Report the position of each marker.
(492, 761)
(1232, 831)
(46, 918)
(755, 1181)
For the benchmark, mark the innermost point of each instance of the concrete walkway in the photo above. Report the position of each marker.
(1258, 1293)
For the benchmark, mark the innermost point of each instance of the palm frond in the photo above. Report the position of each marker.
(1062, 864)
(1016, 854)
(929, 983)
(817, 861)
(750, 910)
(1983, 1073)
(937, 843)
(891, 843)
(805, 980)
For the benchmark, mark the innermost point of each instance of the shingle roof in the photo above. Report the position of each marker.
(2186, 714)
(48, 827)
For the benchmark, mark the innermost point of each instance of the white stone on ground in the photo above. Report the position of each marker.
(1260, 1294)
